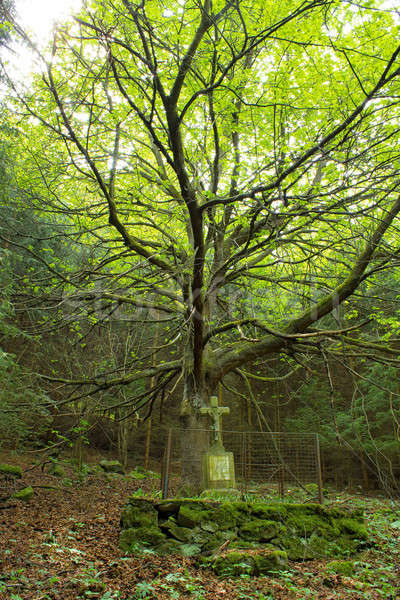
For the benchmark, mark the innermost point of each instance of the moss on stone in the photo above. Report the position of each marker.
(229, 515)
(192, 514)
(169, 547)
(261, 530)
(353, 527)
(182, 534)
(139, 512)
(135, 536)
(234, 563)
(25, 494)
(307, 524)
(12, 470)
(304, 531)
(269, 512)
(269, 561)
(111, 466)
(341, 567)
(168, 508)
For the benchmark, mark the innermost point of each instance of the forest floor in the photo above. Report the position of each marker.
(63, 545)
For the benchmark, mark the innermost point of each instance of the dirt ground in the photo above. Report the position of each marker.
(63, 545)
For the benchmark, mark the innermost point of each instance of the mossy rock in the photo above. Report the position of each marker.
(139, 512)
(260, 530)
(216, 540)
(210, 526)
(182, 534)
(111, 466)
(353, 527)
(137, 475)
(229, 515)
(234, 563)
(192, 514)
(270, 561)
(341, 567)
(168, 508)
(25, 494)
(150, 536)
(168, 547)
(240, 544)
(268, 512)
(11, 470)
(306, 525)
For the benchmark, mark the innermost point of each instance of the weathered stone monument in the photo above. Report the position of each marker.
(218, 464)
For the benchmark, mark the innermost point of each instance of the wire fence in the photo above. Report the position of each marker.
(276, 459)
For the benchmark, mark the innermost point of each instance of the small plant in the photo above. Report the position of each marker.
(142, 590)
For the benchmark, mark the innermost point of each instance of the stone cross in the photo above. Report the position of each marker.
(215, 412)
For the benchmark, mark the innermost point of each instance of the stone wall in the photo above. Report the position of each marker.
(277, 531)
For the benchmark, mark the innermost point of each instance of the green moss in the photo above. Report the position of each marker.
(353, 527)
(216, 540)
(305, 525)
(269, 512)
(341, 567)
(25, 494)
(12, 470)
(166, 508)
(135, 536)
(234, 563)
(304, 531)
(169, 547)
(111, 466)
(270, 561)
(192, 514)
(182, 534)
(139, 512)
(260, 530)
(229, 515)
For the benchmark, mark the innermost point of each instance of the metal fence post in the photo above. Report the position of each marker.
(165, 469)
(318, 468)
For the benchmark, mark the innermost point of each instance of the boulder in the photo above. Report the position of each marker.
(25, 494)
(11, 470)
(111, 466)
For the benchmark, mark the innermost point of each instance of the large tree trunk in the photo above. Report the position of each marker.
(195, 438)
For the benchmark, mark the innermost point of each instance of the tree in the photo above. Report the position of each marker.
(233, 168)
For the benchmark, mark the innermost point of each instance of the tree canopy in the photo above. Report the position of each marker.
(230, 169)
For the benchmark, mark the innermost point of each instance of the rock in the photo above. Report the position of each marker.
(250, 562)
(168, 508)
(269, 561)
(260, 530)
(234, 563)
(12, 470)
(139, 512)
(341, 567)
(111, 466)
(25, 494)
(169, 547)
(192, 514)
(137, 536)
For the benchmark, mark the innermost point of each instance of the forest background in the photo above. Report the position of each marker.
(202, 198)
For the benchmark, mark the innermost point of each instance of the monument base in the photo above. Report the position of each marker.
(218, 469)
